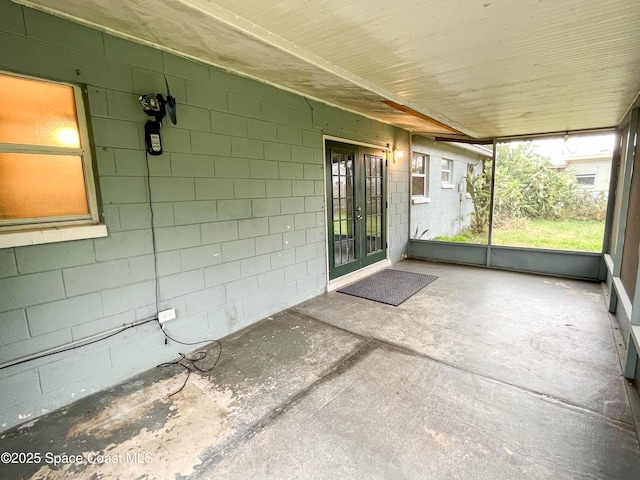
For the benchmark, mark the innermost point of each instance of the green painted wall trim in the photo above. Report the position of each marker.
(581, 265)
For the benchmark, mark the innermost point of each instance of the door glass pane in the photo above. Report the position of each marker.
(41, 186)
(553, 193)
(50, 117)
(373, 204)
(342, 180)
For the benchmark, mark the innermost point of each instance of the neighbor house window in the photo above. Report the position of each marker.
(446, 173)
(420, 175)
(586, 180)
(46, 176)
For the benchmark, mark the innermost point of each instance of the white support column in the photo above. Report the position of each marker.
(633, 345)
(627, 152)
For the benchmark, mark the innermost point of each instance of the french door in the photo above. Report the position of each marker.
(356, 203)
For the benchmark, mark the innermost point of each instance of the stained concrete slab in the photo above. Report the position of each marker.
(396, 415)
(483, 374)
(137, 430)
(550, 335)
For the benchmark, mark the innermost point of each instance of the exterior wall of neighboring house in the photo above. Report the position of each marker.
(591, 171)
(238, 198)
(446, 209)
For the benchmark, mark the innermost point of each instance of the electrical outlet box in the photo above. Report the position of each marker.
(166, 315)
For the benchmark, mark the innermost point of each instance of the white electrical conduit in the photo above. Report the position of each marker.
(76, 343)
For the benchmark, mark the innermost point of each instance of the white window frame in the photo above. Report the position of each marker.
(420, 197)
(449, 170)
(30, 231)
(584, 176)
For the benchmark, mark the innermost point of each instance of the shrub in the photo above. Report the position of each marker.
(527, 186)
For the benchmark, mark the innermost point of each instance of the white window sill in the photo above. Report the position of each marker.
(51, 235)
(419, 200)
(448, 186)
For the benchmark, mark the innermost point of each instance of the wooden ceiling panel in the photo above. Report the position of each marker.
(492, 68)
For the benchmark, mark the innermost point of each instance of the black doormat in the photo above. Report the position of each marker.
(389, 286)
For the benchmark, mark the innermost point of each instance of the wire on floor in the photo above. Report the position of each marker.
(188, 362)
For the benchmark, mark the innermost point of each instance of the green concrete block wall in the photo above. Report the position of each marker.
(238, 199)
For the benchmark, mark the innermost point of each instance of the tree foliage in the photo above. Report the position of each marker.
(527, 186)
(479, 187)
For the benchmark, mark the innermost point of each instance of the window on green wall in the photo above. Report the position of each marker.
(446, 173)
(46, 174)
(419, 175)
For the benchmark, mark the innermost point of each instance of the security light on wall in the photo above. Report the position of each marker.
(155, 105)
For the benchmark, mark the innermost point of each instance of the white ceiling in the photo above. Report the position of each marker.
(487, 68)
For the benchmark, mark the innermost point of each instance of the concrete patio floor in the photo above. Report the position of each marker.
(482, 374)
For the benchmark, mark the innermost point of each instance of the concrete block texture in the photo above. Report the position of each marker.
(255, 265)
(41, 26)
(190, 165)
(181, 284)
(12, 20)
(20, 387)
(234, 209)
(204, 95)
(14, 327)
(277, 151)
(246, 148)
(123, 245)
(8, 266)
(142, 56)
(218, 232)
(198, 212)
(265, 207)
(244, 188)
(210, 143)
(238, 249)
(32, 289)
(41, 258)
(253, 227)
(238, 210)
(232, 168)
(244, 105)
(200, 257)
(222, 273)
(261, 130)
(268, 244)
(204, 300)
(187, 69)
(33, 344)
(76, 368)
(264, 169)
(213, 188)
(172, 238)
(123, 190)
(272, 112)
(228, 124)
(63, 314)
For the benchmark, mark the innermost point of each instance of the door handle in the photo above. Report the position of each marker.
(358, 215)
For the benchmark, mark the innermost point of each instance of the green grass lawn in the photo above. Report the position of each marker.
(371, 228)
(584, 236)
